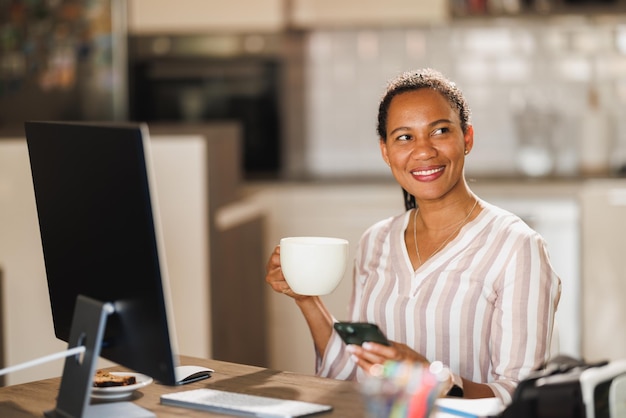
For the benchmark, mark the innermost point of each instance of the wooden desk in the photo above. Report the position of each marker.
(31, 399)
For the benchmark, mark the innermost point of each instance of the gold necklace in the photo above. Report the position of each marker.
(463, 222)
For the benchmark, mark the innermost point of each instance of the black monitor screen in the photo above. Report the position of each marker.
(97, 223)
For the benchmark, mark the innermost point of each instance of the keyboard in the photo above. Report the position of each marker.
(242, 404)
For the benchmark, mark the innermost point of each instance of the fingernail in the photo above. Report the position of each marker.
(351, 348)
(367, 345)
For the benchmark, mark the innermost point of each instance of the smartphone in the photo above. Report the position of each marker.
(360, 332)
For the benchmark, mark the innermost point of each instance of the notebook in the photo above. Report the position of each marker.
(242, 404)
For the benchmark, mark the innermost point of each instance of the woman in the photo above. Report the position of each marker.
(452, 279)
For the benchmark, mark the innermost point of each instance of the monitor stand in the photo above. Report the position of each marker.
(88, 324)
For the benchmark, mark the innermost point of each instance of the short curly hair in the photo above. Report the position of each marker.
(419, 79)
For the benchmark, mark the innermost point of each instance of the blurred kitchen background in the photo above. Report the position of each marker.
(266, 111)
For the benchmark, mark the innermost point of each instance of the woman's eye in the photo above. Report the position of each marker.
(403, 138)
(441, 131)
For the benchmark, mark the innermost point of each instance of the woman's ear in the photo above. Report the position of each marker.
(383, 151)
(468, 138)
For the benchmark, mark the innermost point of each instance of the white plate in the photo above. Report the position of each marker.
(119, 392)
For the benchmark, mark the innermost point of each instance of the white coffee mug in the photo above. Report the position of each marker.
(313, 265)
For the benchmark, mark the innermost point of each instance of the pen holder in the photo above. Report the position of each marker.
(400, 390)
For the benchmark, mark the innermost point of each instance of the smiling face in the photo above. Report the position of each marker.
(425, 144)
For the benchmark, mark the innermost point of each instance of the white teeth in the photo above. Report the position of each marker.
(427, 172)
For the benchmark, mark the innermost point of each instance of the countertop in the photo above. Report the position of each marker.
(503, 186)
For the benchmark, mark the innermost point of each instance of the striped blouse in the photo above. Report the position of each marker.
(484, 305)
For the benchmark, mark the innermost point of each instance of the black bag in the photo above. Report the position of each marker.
(570, 388)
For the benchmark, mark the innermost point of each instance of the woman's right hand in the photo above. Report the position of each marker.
(274, 276)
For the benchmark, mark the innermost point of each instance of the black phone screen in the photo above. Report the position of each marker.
(360, 332)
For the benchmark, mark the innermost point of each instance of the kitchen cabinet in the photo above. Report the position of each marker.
(198, 16)
(551, 208)
(27, 331)
(204, 16)
(603, 204)
(370, 13)
(236, 258)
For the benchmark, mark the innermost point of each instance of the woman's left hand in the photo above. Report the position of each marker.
(371, 354)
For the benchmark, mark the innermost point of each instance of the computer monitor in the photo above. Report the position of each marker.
(99, 228)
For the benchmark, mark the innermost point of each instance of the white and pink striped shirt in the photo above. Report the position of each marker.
(484, 305)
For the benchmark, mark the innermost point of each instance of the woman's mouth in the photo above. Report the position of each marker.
(428, 172)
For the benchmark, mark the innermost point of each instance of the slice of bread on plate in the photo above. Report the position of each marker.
(104, 379)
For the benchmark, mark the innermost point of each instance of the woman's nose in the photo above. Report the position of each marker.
(423, 149)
